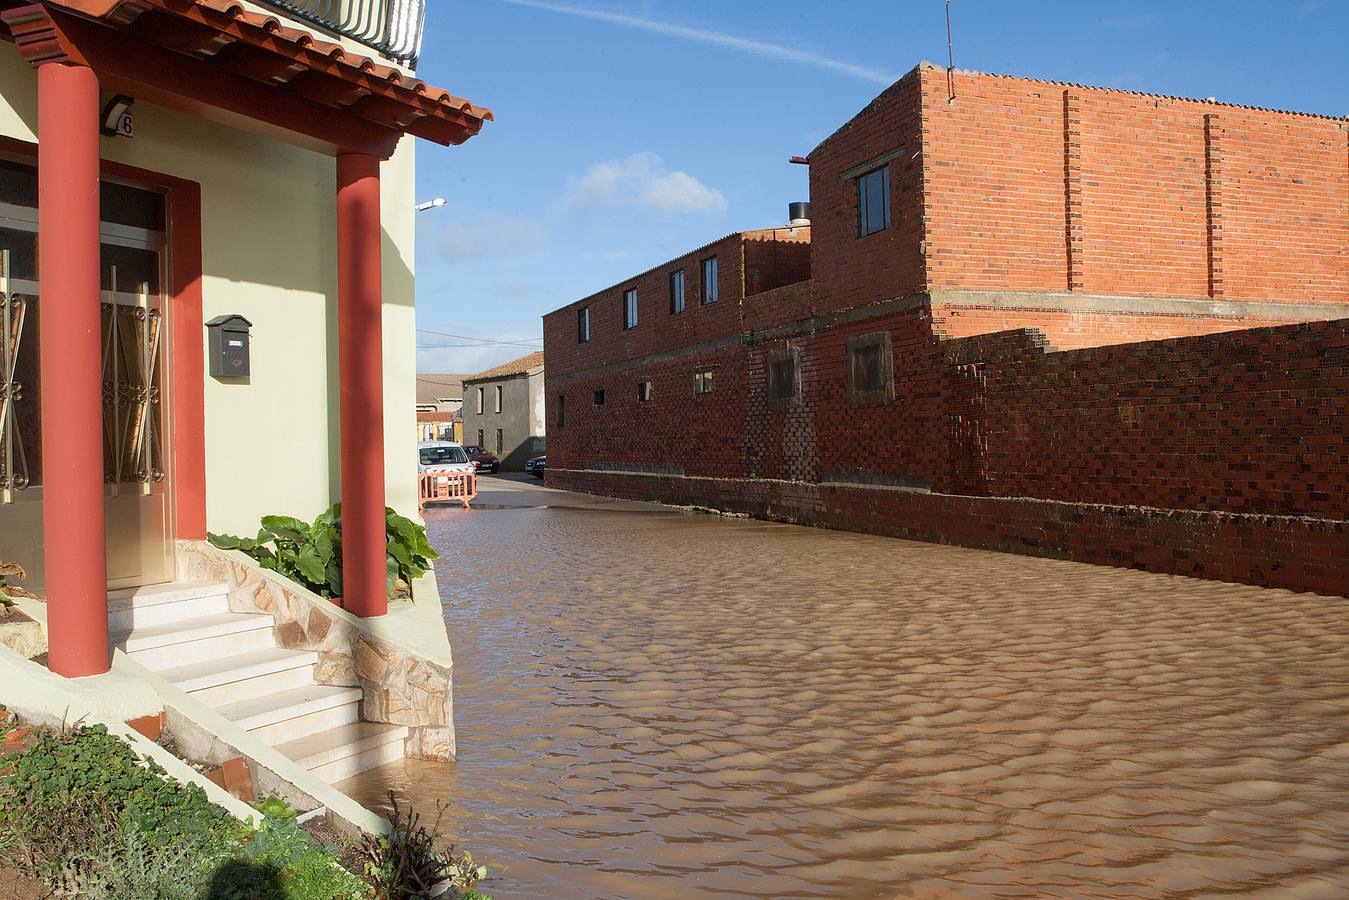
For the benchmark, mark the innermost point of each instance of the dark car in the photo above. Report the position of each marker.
(482, 460)
(537, 466)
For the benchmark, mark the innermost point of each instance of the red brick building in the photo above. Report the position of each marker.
(1038, 317)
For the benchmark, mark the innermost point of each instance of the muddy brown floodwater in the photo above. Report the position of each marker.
(659, 704)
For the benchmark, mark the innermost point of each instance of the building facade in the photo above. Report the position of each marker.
(251, 164)
(1037, 317)
(439, 399)
(503, 411)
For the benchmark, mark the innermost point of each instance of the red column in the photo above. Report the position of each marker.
(361, 361)
(71, 370)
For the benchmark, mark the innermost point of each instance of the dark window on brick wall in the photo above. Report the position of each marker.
(871, 371)
(561, 418)
(583, 325)
(630, 308)
(599, 397)
(784, 377)
(480, 441)
(676, 291)
(710, 280)
(646, 390)
(702, 382)
(873, 201)
(500, 442)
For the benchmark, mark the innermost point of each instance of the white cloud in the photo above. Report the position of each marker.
(642, 180)
(483, 234)
(751, 46)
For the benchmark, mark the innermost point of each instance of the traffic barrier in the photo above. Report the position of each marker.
(446, 487)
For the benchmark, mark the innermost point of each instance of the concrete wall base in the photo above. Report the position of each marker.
(1296, 553)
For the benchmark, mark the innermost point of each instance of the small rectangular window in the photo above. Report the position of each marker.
(480, 406)
(784, 378)
(702, 382)
(709, 280)
(873, 201)
(500, 441)
(676, 291)
(630, 308)
(480, 441)
(583, 325)
(498, 398)
(599, 397)
(646, 391)
(870, 370)
(561, 410)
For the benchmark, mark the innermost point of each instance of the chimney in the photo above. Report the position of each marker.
(798, 214)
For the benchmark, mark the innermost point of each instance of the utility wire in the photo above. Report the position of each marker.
(483, 341)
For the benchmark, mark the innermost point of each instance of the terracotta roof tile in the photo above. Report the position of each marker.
(519, 366)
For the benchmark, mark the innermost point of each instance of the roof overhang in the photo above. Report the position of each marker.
(220, 61)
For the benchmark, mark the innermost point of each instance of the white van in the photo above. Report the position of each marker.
(442, 456)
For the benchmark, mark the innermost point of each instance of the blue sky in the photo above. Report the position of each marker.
(629, 132)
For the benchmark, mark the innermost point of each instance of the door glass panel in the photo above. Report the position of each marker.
(20, 430)
(130, 270)
(139, 208)
(133, 333)
(18, 184)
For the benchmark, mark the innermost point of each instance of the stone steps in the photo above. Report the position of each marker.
(231, 663)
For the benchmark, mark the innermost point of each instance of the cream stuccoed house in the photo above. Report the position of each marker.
(206, 262)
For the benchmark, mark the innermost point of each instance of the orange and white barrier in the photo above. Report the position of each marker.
(446, 487)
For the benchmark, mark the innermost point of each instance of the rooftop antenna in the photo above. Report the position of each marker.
(950, 58)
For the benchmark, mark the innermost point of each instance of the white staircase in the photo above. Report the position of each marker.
(229, 662)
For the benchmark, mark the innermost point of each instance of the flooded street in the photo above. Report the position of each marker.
(653, 703)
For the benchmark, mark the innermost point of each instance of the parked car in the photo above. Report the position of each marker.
(537, 466)
(442, 456)
(482, 460)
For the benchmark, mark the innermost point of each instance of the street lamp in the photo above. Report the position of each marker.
(430, 204)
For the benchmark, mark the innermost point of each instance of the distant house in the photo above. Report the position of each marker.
(439, 397)
(503, 410)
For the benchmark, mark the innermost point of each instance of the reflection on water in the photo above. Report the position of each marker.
(654, 704)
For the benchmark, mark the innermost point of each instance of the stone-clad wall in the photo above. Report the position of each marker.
(401, 686)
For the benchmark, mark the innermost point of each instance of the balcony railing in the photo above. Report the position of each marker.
(392, 27)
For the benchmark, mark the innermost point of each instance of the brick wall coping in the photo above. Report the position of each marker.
(1122, 509)
(1106, 304)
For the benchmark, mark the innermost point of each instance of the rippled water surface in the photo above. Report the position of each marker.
(656, 704)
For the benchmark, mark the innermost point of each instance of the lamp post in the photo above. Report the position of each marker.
(430, 204)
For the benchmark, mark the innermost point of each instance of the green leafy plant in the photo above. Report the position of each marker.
(274, 807)
(310, 554)
(83, 814)
(413, 860)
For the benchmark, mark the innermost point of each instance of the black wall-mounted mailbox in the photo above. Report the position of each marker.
(228, 346)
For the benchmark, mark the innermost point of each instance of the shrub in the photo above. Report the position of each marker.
(413, 860)
(82, 813)
(310, 554)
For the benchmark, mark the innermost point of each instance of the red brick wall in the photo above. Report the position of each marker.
(775, 258)
(657, 330)
(851, 271)
(1013, 163)
(1249, 421)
